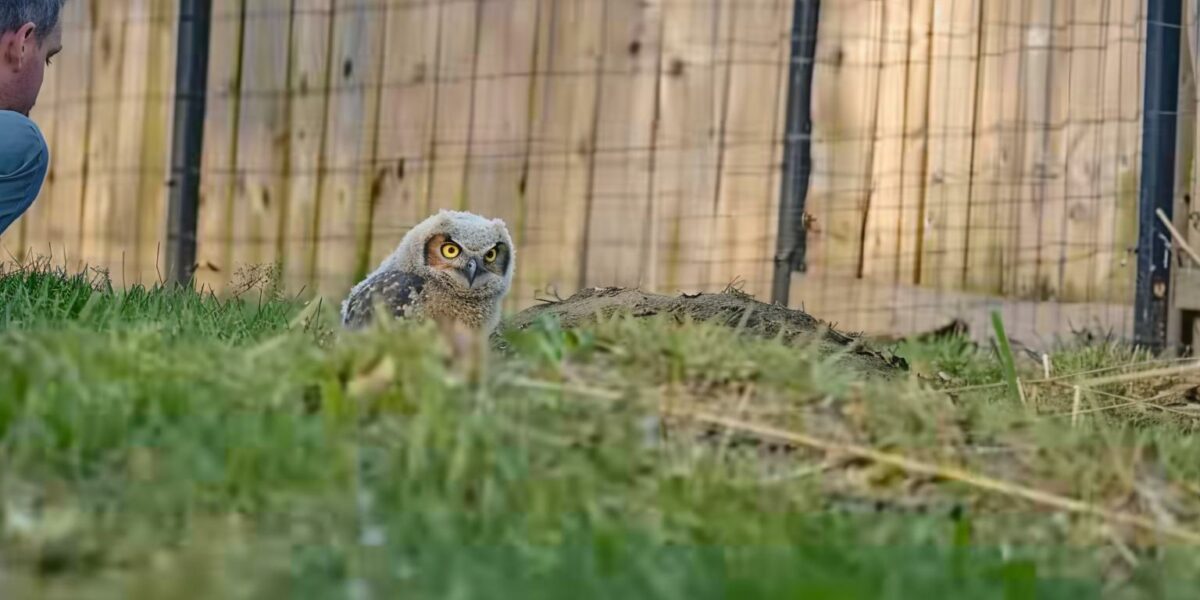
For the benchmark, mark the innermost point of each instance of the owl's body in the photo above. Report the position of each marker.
(454, 267)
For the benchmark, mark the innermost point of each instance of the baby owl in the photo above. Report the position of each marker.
(453, 267)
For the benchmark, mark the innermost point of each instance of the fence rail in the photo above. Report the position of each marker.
(967, 154)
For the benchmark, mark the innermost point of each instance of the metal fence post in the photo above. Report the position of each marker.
(187, 141)
(791, 244)
(1157, 192)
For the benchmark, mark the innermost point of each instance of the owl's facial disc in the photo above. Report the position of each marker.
(479, 272)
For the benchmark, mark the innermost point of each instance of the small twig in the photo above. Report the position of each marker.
(977, 388)
(1088, 411)
(550, 386)
(727, 439)
(1179, 239)
(1124, 550)
(1141, 375)
(951, 473)
(1075, 407)
(1046, 364)
(1127, 402)
(1065, 376)
(801, 473)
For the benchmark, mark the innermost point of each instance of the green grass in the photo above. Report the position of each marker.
(165, 444)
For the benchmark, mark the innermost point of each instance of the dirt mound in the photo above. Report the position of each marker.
(731, 308)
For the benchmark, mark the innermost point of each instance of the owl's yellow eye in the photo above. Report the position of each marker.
(491, 255)
(451, 251)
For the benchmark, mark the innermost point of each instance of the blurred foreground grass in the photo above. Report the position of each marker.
(165, 444)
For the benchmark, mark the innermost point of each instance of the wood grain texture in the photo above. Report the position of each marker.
(1028, 258)
(953, 94)
(105, 166)
(692, 95)
(405, 125)
(618, 237)
(149, 258)
(219, 177)
(995, 169)
(311, 68)
(501, 106)
(455, 84)
(746, 195)
(883, 207)
(69, 151)
(844, 112)
(359, 32)
(983, 145)
(260, 197)
(1085, 193)
(563, 130)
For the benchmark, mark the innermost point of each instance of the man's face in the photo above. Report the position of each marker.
(23, 61)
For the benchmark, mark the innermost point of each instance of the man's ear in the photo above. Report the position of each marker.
(15, 45)
(26, 39)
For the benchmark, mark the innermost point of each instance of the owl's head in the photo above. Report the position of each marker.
(461, 252)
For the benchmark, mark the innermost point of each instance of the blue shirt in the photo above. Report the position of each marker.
(24, 159)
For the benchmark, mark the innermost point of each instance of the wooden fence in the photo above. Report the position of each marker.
(972, 151)
(966, 150)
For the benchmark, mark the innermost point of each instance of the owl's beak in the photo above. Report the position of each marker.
(470, 271)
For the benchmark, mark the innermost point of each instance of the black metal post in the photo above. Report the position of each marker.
(187, 141)
(791, 246)
(1159, 125)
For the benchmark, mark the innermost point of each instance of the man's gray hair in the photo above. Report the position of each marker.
(43, 14)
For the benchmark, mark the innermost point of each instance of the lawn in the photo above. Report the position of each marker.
(165, 444)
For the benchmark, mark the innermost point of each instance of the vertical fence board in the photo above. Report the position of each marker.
(350, 126)
(309, 89)
(117, 215)
(149, 261)
(1051, 167)
(747, 191)
(1186, 214)
(563, 129)
(70, 151)
(881, 235)
(1121, 161)
(454, 100)
(105, 166)
(262, 138)
(500, 110)
(1037, 88)
(843, 98)
(214, 248)
(692, 96)
(618, 232)
(995, 169)
(410, 62)
(1083, 188)
(916, 142)
(952, 118)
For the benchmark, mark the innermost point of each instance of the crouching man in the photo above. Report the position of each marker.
(30, 35)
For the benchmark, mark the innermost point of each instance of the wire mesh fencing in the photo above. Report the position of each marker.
(976, 156)
(967, 156)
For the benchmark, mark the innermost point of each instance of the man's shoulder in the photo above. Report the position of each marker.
(15, 123)
(10, 118)
(23, 140)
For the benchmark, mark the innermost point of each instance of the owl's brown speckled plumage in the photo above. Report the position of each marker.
(454, 267)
